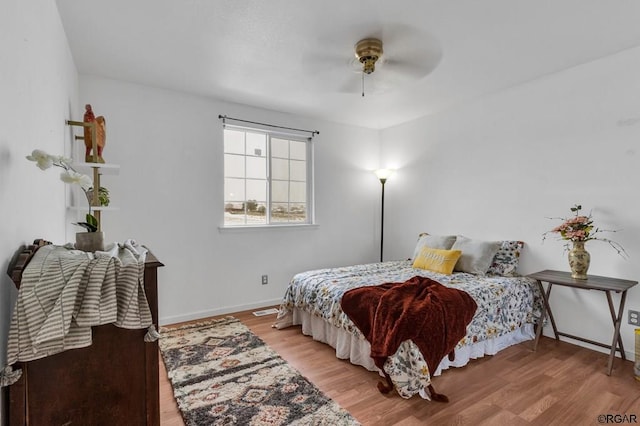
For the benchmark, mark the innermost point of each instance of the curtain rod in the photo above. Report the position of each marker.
(224, 117)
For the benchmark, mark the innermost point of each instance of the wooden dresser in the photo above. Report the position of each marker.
(112, 382)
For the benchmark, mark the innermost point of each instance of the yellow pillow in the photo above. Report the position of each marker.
(436, 260)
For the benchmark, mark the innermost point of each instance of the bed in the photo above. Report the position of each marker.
(508, 306)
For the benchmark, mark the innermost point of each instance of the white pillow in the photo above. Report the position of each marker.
(476, 256)
(440, 242)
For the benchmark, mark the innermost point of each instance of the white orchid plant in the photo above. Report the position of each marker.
(69, 175)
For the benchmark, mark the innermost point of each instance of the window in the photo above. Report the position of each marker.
(267, 178)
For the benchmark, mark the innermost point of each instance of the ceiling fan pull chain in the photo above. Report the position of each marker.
(363, 84)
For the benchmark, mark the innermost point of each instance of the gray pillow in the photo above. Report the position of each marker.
(442, 242)
(476, 256)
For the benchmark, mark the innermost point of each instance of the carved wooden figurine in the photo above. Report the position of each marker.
(101, 135)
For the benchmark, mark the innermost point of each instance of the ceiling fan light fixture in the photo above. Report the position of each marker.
(368, 51)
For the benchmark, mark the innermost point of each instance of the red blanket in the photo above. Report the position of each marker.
(433, 316)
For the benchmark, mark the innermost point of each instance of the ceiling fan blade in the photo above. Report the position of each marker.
(351, 84)
(369, 85)
(384, 82)
(410, 50)
(413, 69)
(380, 81)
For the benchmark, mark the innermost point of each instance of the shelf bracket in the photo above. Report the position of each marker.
(95, 201)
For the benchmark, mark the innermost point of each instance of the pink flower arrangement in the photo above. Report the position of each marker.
(576, 228)
(580, 228)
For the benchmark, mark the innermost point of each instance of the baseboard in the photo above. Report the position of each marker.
(630, 355)
(220, 311)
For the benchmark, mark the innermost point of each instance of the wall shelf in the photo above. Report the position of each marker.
(94, 208)
(105, 168)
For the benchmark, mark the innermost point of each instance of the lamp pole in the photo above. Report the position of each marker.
(382, 181)
(383, 175)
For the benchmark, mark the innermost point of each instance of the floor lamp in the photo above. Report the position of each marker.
(383, 175)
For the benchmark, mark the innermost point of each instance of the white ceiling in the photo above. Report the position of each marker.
(297, 55)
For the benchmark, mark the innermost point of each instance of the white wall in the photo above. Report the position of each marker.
(170, 194)
(495, 168)
(499, 167)
(38, 89)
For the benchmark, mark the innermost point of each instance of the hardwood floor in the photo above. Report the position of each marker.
(560, 384)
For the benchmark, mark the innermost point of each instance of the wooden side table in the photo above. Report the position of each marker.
(593, 282)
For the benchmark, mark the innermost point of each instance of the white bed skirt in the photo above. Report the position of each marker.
(357, 350)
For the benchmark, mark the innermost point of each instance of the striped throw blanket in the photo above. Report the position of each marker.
(64, 292)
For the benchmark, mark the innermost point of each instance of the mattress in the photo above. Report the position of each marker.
(508, 307)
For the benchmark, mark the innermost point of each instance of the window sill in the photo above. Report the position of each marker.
(250, 228)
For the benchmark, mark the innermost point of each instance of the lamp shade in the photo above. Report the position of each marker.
(383, 174)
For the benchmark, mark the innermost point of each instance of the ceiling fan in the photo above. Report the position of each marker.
(390, 57)
(406, 60)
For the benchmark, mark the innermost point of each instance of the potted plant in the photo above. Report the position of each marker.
(93, 239)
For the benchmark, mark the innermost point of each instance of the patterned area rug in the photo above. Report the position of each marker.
(223, 374)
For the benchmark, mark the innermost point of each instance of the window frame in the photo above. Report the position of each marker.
(309, 163)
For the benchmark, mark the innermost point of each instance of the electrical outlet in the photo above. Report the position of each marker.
(265, 279)
(634, 317)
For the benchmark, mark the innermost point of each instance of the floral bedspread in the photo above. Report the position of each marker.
(504, 305)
